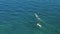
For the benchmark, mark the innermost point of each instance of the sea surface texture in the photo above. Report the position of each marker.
(17, 16)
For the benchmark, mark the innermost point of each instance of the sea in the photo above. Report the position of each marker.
(17, 16)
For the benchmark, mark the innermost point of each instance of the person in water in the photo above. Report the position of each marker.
(38, 24)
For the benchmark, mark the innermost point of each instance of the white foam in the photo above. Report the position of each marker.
(39, 25)
(37, 16)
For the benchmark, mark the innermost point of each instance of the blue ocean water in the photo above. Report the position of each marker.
(17, 16)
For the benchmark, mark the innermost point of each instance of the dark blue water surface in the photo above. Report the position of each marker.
(17, 16)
